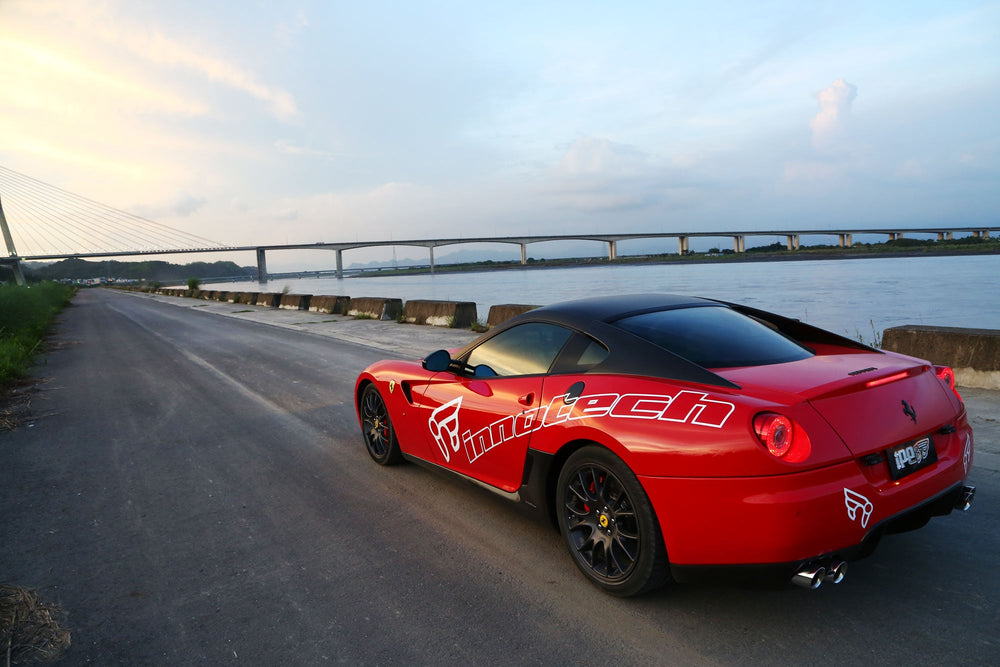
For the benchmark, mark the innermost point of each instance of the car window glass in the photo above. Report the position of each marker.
(527, 349)
(715, 337)
(593, 354)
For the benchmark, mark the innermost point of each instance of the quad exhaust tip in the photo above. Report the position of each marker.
(812, 577)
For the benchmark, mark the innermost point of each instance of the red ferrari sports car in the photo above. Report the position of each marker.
(671, 437)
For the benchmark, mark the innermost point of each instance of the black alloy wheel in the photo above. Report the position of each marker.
(609, 524)
(376, 427)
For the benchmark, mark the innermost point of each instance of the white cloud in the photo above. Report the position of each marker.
(163, 50)
(289, 148)
(830, 124)
(286, 31)
(182, 204)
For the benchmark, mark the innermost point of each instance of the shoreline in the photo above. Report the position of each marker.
(652, 260)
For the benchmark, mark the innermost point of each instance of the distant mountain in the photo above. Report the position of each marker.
(153, 271)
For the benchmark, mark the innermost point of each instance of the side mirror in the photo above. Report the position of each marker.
(435, 362)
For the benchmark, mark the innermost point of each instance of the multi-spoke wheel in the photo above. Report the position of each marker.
(380, 436)
(609, 524)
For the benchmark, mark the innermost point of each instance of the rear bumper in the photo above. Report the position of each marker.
(781, 573)
(785, 521)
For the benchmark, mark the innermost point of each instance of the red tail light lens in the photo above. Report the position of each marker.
(775, 432)
(783, 438)
(947, 375)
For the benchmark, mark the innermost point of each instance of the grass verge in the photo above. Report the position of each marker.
(25, 316)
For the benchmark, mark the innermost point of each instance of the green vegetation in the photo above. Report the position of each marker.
(25, 316)
(79, 269)
(193, 283)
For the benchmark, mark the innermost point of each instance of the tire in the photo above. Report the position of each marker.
(609, 525)
(377, 428)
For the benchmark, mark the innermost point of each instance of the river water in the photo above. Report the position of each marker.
(855, 297)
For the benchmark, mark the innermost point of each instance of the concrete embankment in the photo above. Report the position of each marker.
(974, 354)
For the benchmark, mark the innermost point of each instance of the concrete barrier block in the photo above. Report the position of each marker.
(974, 354)
(294, 301)
(248, 298)
(502, 313)
(268, 299)
(376, 308)
(335, 305)
(222, 296)
(456, 314)
(208, 294)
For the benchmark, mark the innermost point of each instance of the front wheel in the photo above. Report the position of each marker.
(609, 524)
(377, 429)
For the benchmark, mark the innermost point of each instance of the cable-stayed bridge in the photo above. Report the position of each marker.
(42, 222)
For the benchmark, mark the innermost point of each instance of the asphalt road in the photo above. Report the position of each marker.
(192, 489)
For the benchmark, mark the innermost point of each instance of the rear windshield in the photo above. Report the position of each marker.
(715, 337)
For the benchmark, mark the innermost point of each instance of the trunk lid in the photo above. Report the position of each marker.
(871, 400)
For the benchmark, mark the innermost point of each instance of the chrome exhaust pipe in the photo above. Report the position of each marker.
(837, 571)
(965, 497)
(811, 577)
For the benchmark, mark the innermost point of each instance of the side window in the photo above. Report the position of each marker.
(527, 349)
(580, 354)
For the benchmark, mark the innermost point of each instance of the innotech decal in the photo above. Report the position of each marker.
(685, 407)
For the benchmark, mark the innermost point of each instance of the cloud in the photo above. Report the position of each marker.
(95, 29)
(181, 205)
(163, 50)
(291, 149)
(286, 31)
(600, 175)
(55, 80)
(830, 124)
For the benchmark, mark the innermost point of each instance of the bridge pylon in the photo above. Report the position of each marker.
(12, 260)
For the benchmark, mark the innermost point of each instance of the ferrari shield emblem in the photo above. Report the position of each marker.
(392, 386)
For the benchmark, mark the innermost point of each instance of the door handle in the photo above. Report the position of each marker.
(527, 399)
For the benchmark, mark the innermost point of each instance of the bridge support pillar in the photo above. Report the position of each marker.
(986, 233)
(895, 236)
(846, 240)
(945, 236)
(340, 264)
(682, 245)
(13, 261)
(261, 266)
(15, 265)
(524, 253)
(612, 250)
(431, 248)
(792, 241)
(739, 243)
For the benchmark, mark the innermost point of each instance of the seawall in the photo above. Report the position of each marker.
(974, 354)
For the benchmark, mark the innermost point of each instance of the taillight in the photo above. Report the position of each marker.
(783, 438)
(947, 375)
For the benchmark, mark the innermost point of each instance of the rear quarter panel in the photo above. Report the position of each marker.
(681, 430)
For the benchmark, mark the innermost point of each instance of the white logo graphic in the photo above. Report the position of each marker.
(855, 501)
(685, 407)
(444, 427)
(967, 457)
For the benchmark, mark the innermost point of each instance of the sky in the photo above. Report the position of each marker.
(297, 122)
